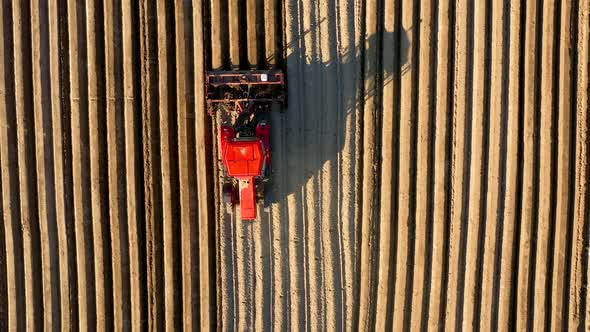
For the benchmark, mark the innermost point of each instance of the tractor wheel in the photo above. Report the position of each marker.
(264, 193)
(268, 200)
(260, 192)
(229, 194)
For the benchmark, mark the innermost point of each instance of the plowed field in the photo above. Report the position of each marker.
(430, 169)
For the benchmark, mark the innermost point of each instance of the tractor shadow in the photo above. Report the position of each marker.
(316, 137)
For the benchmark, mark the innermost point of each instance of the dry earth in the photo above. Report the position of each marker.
(430, 170)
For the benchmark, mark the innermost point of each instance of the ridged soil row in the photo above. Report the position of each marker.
(580, 256)
(578, 308)
(423, 172)
(475, 164)
(387, 243)
(543, 134)
(562, 129)
(457, 191)
(154, 206)
(205, 206)
(369, 57)
(528, 77)
(438, 203)
(492, 113)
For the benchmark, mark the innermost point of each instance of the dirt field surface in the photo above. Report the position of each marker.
(430, 170)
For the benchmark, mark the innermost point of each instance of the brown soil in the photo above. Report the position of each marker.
(431, 167)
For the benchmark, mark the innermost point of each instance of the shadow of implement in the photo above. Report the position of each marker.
(324, 95)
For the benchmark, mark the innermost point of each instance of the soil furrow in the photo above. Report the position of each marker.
(151, 155)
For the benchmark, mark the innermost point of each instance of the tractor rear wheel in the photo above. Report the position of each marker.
(229, 194)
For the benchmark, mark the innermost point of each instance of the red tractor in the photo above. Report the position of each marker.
(242, 100)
